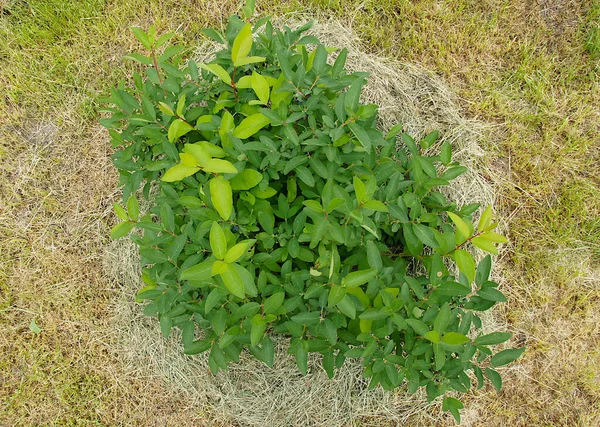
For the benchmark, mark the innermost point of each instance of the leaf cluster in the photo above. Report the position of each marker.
(280, 208)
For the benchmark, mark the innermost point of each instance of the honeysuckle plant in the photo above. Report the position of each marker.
(279, 208)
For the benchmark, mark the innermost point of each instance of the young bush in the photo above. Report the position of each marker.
(277, 206)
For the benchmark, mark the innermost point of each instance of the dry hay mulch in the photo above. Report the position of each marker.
(250, 393)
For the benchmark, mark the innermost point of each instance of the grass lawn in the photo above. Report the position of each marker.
(529, 68)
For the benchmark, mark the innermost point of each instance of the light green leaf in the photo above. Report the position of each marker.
(221, 196)
(485, 220)
(237, 251)
(166, 109)
(133, 208)
(218, 71)
(121, 230)
(454, 338)
(227, 125)
(494, 237)
(219, 166)
(178, 172)
(357, 278)
(201, 156)
(484, 244)
(178, 128)
(181, 105)
(466, 263)
(250, 125)
(259, 326)
(33, 327)
(432, 336)
(218, 241)
(212, 149)
(375, 205)
(120, 211)
(250, 60)
(246, 179)
(260, 87)
(233, 281)
(241, 45)
(461, 226)
(202, 271)
(359, 189)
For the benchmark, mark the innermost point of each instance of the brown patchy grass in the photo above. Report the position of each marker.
(528, 67)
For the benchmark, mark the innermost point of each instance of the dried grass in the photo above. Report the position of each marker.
(250, 393)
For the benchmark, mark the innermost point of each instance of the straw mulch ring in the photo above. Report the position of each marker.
(250, 393)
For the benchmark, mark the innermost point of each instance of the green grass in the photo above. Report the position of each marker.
(531, 71)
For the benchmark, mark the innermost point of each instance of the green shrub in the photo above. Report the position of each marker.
(278, 207)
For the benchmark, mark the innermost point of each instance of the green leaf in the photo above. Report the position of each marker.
(453, 405)
(133, 208)
(452, 289)
(418, 326)
(166, 323)
(425, 235)
(33, 327)
(373, 314)
(181, 105)
(352, 97)
(178, 128)
(494, 237)
(221, 196)
(233, 281)
(493, 338)
(357, 278)
(360, 189)
(361, 135)
(246, 180)
(466, 263)
(439, 355)
(328, 330)
(218, 71)
(198, 272)
(491, 294)
(506, 356)
(432, 336)
(483, 270)
(166, 109)
(260, 87)
(241, 45)
(178, 172)
(141, 36)
(250, 60)
(374, 256)
(484, 244)
(347, 307)
(461, 226)
(219, 321)
(494, 377)
(375, 205)
(219, 166)
(120, 211)
(301, 358)
(274, 302)
(442, 320)
(237, 251)
(250, 125)
(454, 338)
(259, 326)
(218, 241)
(336, 294)
(121, 230)
(198, 152)
(446, 153)
(227, 125)
(485, 220)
